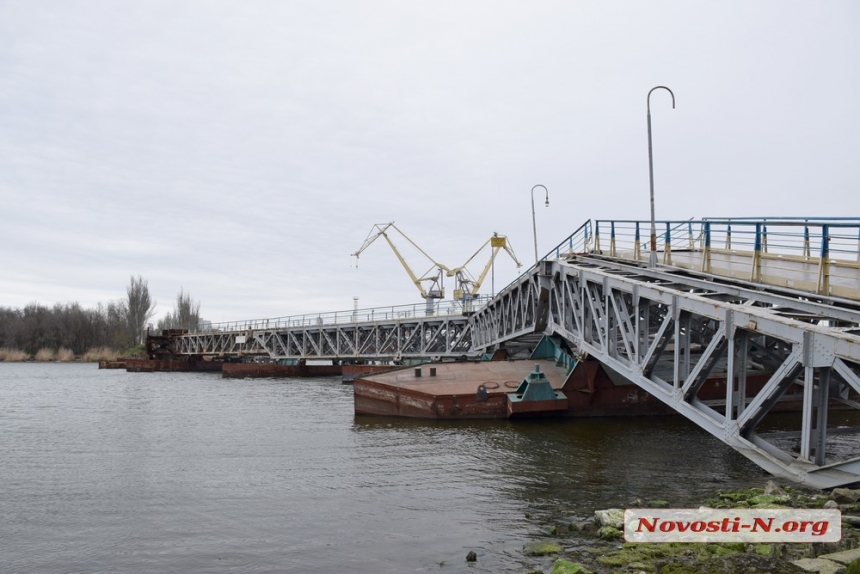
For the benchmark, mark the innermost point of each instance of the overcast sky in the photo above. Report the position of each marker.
(242, 151)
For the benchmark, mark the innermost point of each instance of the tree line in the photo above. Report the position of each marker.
(119, 325)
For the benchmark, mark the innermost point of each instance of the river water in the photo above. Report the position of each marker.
(108, 471)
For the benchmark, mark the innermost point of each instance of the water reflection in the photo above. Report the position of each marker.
(115, 471)
(579, 464)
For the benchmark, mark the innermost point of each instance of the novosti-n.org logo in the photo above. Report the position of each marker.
(732, 525)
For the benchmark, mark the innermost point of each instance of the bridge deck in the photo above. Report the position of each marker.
(802, 274)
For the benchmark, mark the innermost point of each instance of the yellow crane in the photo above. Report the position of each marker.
(467, 287)
(433, 276)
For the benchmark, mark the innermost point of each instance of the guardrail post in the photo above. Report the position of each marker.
(764, 239)
(806, 252)
(612, 252)
(755, 272)
(824, 262)
(636, 247)
(667, 249)
(589, 236)
(729, 236)
(597, 237)
(706, 251)
(690, 235)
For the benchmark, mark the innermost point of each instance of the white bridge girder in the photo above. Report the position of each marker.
(669, 331)
(771, 327)
(420, 337)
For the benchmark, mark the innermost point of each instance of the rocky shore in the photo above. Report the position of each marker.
(594, 544)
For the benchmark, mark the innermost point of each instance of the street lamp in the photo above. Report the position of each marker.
(534, 225)
(652, 260)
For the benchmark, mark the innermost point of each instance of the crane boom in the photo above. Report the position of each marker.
(436, 290)
(467, 287)
(497, 242)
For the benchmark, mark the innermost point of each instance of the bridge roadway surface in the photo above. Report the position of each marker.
(774, 299)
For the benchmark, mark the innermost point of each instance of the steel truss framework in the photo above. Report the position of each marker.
(423, 337)
(673, 332)
(668, 331)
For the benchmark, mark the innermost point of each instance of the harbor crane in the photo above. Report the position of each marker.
(433, 276)
(468, 287)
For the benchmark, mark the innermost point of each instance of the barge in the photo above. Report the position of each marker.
(550, 383)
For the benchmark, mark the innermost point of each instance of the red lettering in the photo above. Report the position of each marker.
(714, 526)
(649, 527)
(667, 527)
(760, 523)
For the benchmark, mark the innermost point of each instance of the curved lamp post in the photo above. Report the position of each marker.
(534, 225)
(652, 259)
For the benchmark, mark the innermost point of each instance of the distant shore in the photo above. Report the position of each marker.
(63, 355)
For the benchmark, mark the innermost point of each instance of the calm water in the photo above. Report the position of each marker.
(108, 471)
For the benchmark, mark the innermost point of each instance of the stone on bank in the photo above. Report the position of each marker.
(562, 566)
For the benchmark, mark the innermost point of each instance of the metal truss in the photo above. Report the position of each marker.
(447, 336)
(723, 343)
(722, 354)
(512, 314)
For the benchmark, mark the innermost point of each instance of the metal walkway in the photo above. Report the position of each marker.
(772, 307)
(381, 334)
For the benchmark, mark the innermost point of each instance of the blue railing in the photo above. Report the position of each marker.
(580, 241)
(803, 237)
(815, 254)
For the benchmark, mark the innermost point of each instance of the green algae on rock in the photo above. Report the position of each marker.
(610, 533)
(610, 517)
(544, 548)
(562, 566)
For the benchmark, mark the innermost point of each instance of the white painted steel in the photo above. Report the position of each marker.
(789, 321)
(668, 331)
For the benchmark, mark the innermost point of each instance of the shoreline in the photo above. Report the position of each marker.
(595, 545)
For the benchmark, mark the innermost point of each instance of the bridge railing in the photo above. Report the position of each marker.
(389, 313)
(817, 254)
(838, 238)
(580, 241)
(805, 237)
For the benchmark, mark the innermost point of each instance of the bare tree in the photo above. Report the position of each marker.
(139, 307)
(65, 325)
(186, 314)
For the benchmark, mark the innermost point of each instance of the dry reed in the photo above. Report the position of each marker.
(97, 354)
(45, 354)
(13, 355)
(65, 355)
